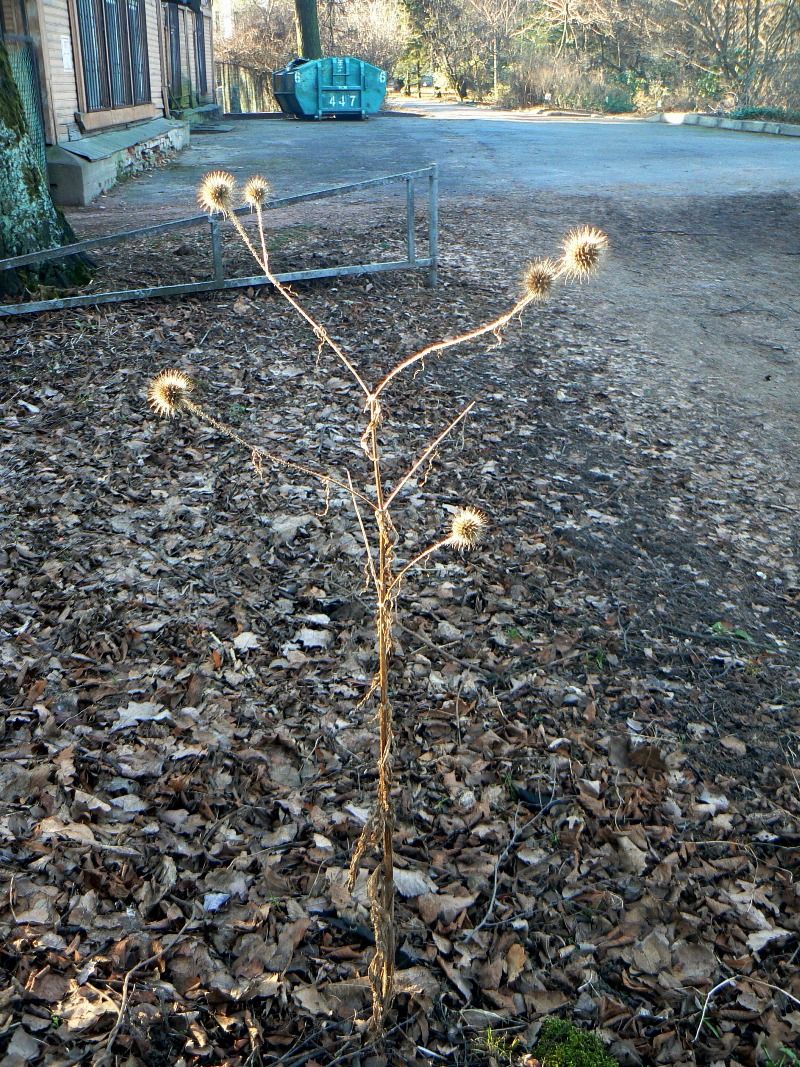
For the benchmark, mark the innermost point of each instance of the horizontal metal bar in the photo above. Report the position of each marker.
(64, 251)
(91, 299)
(338, 190)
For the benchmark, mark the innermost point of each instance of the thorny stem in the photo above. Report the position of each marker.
(382, 888)
(370, 565)
(379, 828)
(490, 327)
(412, 470)
(319, 330)
(418, 559)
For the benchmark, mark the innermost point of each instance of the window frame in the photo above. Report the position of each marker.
(99, 90)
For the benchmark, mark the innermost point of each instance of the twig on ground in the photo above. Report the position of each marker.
(500, 861)
(776, 988)
(516, 836)
(488, 675)
(712, 992)
(733, 982)
(140, 966)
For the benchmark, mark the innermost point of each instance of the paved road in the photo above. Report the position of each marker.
(486, 151)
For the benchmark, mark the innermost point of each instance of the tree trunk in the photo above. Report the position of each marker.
(307, 24)
(28, 219)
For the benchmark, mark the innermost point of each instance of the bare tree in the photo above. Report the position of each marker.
(500, 22)
(749, 43)
(374, 30)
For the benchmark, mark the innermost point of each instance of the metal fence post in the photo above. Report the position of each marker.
(216, 251)
(433, 226)
(411, 243)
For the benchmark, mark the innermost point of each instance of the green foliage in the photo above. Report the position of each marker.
(766, 114)
(497, 1046)
(724, 630)
(618, 101)
(561, 1044)
(708, 84)
(786, 1058)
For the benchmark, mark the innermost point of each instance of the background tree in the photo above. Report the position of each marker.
(612, 55)
(28, 219)
(450, 34)
(308, 40)
(748, 45)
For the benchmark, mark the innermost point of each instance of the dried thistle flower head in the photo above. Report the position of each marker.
(167, 390)
(582, 250)
(467, 528)
(256, 191)
(539, 277)
(215, 192)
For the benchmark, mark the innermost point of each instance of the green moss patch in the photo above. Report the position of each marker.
(561, 1044)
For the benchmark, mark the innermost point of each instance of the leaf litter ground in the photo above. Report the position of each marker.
(596, 756)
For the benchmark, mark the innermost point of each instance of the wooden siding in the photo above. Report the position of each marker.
(63, 88)
(188, 47)
(62, 84)
(151, 14)
(209, 39)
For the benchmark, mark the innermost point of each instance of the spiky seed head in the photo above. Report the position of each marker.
(215, 192)
(167, 390)
(256, 191)
(582, 251)
(467, 528)
(539, 277)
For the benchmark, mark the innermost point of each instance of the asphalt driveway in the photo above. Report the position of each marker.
(478, 150)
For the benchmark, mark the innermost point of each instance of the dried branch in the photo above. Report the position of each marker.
(170, 392)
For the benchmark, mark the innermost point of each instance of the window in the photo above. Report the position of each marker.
(114, 50)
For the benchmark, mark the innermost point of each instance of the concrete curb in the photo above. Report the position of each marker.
(719, 122)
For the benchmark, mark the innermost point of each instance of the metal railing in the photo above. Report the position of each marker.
(413, 261)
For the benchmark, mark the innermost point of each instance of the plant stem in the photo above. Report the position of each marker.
(418, 559)
(383, 904)
(384, 767)
(495, 326)
(258, 454)
(319, 330)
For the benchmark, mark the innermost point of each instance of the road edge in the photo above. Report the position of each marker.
(720, 122)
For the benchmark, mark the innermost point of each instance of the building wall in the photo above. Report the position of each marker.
(209, 36)
(184, 83)
(59, 52)
(153, 17)
(188, 47)
(12, 17)
(55, 26)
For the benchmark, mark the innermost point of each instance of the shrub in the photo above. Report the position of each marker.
(766, 114)
(540, 78)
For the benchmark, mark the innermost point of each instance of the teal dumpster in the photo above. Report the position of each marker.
(337, 86)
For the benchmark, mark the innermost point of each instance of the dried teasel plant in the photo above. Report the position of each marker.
(171, 393)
